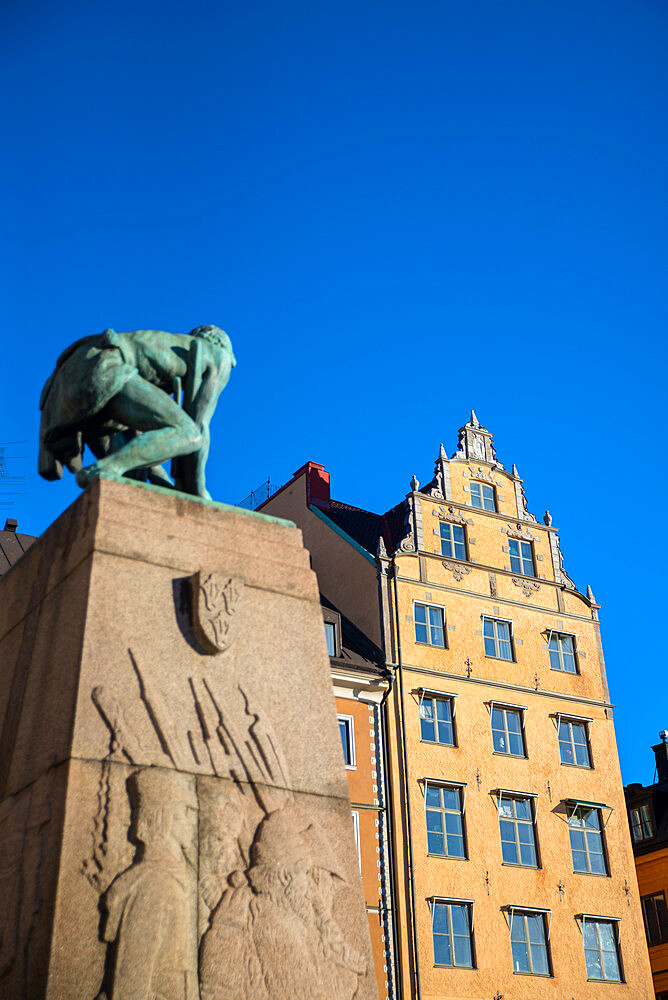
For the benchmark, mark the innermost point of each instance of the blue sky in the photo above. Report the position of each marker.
(398, 211)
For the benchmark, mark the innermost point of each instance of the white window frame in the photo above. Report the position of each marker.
(469, 903)
(453, 524)
(331, 626)
(533, 796)
(444, 696)
(495, 497)
(549, 632)
(441, 607)
(505, 621)
(356, 834)
(581, 918)
(558, 716)
(520, 542)
(637, 808)
(350, 726)
(522, 709)
(444, 783)
(547, 925)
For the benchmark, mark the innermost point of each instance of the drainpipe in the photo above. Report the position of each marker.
(396, 965)
(416, 959)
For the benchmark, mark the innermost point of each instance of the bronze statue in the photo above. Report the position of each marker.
(136, 400)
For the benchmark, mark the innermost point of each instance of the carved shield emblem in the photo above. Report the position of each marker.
(216, 604)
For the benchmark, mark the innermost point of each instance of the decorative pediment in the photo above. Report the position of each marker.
(450, 513)
(519, 530)
(475, 443)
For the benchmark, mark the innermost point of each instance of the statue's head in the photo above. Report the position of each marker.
(215, 335)
(164, 807)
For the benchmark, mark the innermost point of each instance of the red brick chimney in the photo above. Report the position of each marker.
(317, 484)
(661, 754)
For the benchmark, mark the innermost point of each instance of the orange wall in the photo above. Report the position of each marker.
(362, 785)
(652, 872)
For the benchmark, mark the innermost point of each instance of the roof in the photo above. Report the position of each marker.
(363, 526)
(357, 649)
(12, 547)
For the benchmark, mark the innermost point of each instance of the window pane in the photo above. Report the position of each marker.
(330, 637)
(463, 956)
(476, 497)
(610, 965)
(433, 796)
(345, 730)
(427, 729)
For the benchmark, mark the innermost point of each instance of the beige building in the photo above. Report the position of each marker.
(513, 867)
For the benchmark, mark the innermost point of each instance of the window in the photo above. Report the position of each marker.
(483, 496)
(655, 916)
(429, 625)
(347, 731)
(587, 840)
(330, 636)
(356, 833)
(528, 942)
(453, 542)
(573, 745)
(562, 652)
(497, 639)
(521, 557)
(436, 723)
(452, 933)
(601, 950)
(507, 733)
(641, 823)
(445, 828)
(518, 835)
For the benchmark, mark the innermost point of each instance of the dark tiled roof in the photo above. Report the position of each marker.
(361, 525)
(357, 648)
(366, 528)
(12, 547)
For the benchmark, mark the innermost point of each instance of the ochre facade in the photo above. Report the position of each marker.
(415, 572)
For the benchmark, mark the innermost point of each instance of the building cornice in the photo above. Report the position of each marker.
(506, 686)
(431, 585)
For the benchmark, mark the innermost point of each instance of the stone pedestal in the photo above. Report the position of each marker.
(174, 816)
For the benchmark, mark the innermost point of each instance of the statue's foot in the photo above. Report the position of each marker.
(88, 475)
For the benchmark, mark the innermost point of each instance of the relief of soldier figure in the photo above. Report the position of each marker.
(136, 400)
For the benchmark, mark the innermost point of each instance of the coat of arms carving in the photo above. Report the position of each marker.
(216, 604)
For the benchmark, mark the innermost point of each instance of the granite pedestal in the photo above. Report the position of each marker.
(174, 816)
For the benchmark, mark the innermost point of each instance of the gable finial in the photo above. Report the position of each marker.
(474, 420)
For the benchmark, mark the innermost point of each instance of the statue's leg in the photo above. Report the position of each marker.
(167, 431)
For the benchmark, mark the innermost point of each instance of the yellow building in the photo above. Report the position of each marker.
(513, 867)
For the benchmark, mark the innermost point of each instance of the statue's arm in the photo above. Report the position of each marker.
(209, 370)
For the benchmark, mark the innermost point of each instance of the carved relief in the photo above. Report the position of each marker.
(459, 570)
(281, 905)
(529, 587)
(492, 585)
(407, 544)
(449, 513)
(149, 909)
(519, 530)
(203, 882)
(216, 601)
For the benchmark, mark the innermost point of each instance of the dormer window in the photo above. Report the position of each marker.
(332, 622)
(641, 823)
(483, 496)
(521, 557)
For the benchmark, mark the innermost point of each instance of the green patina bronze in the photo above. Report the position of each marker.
(136, 400)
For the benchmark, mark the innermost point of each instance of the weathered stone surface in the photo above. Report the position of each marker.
(175, 806)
